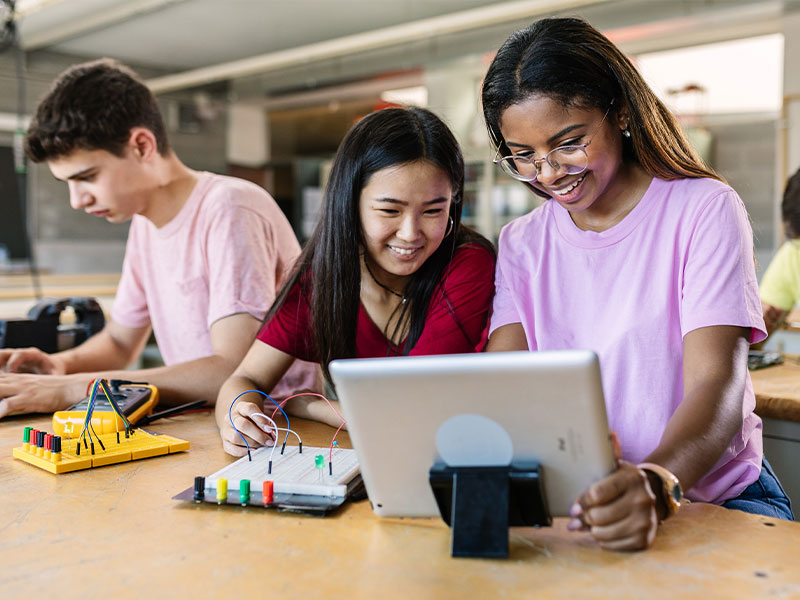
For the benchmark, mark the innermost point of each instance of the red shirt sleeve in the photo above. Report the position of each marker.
(289, 330)
(458, 317)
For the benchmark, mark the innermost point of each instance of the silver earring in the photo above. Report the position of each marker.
(626, 133)
(449, 227)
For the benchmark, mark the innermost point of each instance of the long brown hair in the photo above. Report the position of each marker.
(569, 61)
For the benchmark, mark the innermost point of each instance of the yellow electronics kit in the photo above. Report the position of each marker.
(135, 401)
(103, 433)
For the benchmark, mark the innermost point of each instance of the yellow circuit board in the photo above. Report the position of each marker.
(140, 444)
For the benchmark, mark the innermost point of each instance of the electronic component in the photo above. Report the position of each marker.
(57, 454)
(298, 481)
(267, 491)
(199, 488)
(292, 480)
(222, 491)
(135, 400)
(47, 451)
(244, 491)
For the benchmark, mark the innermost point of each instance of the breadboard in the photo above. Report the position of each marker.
(140, 444)
(292, 472)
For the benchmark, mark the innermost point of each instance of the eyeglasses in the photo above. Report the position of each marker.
(564, 160)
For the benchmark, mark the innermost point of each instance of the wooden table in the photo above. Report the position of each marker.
(21, 285)
(115, 532)
(17, 294)
(777, 390)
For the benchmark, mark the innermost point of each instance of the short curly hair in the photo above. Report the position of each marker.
(93, 106)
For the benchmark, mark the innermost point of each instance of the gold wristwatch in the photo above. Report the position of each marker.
(671, 492)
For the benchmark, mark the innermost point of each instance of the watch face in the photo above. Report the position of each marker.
(676, 493)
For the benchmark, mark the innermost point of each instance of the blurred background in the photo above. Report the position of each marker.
(266, 89)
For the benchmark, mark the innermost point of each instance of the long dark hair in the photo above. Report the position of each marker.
(569, 61)
(329, 268)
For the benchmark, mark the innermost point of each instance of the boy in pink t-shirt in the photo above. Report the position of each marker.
(204, 259)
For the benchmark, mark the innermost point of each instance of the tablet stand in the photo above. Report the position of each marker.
(481, 503)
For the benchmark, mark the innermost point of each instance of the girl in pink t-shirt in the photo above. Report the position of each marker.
(640, 253)
(389, 269)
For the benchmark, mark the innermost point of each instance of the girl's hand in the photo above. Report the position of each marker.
(256, 430)
(619, 510)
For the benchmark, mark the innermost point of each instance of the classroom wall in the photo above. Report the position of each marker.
(69, 241)
(744, 153)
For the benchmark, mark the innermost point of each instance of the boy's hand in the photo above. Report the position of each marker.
(30, 360)
(26, 393)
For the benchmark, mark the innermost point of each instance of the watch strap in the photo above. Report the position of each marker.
(671, 492)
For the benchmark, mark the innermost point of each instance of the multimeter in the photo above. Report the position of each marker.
(135, 400)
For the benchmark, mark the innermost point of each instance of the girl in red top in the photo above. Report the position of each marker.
(389, 269)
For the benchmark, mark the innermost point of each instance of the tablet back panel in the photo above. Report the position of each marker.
(405, 413)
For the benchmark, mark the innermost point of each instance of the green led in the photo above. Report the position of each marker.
(244, 491)
(319, 461)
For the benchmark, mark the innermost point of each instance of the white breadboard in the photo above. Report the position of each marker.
(292, 472)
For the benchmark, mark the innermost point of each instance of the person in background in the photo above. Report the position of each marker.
(389, 270)
(780, 285)
(204, 259)
(642, 254)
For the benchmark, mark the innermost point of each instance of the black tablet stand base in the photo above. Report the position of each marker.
(481, 503)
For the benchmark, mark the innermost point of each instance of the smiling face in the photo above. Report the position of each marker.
(404, 212)
(538, 124)
(102, 184)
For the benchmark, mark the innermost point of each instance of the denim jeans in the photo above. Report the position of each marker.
(765, 496)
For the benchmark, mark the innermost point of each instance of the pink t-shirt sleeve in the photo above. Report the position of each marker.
(130, 302)
(504, 309)
(241, 262)
(719, 285)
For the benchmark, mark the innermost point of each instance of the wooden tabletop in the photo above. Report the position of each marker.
(88, 284)
(115, 532)
(792, 320)
(17, 294)
(777, 390)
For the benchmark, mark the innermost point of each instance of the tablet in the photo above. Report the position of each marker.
(405, 414)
